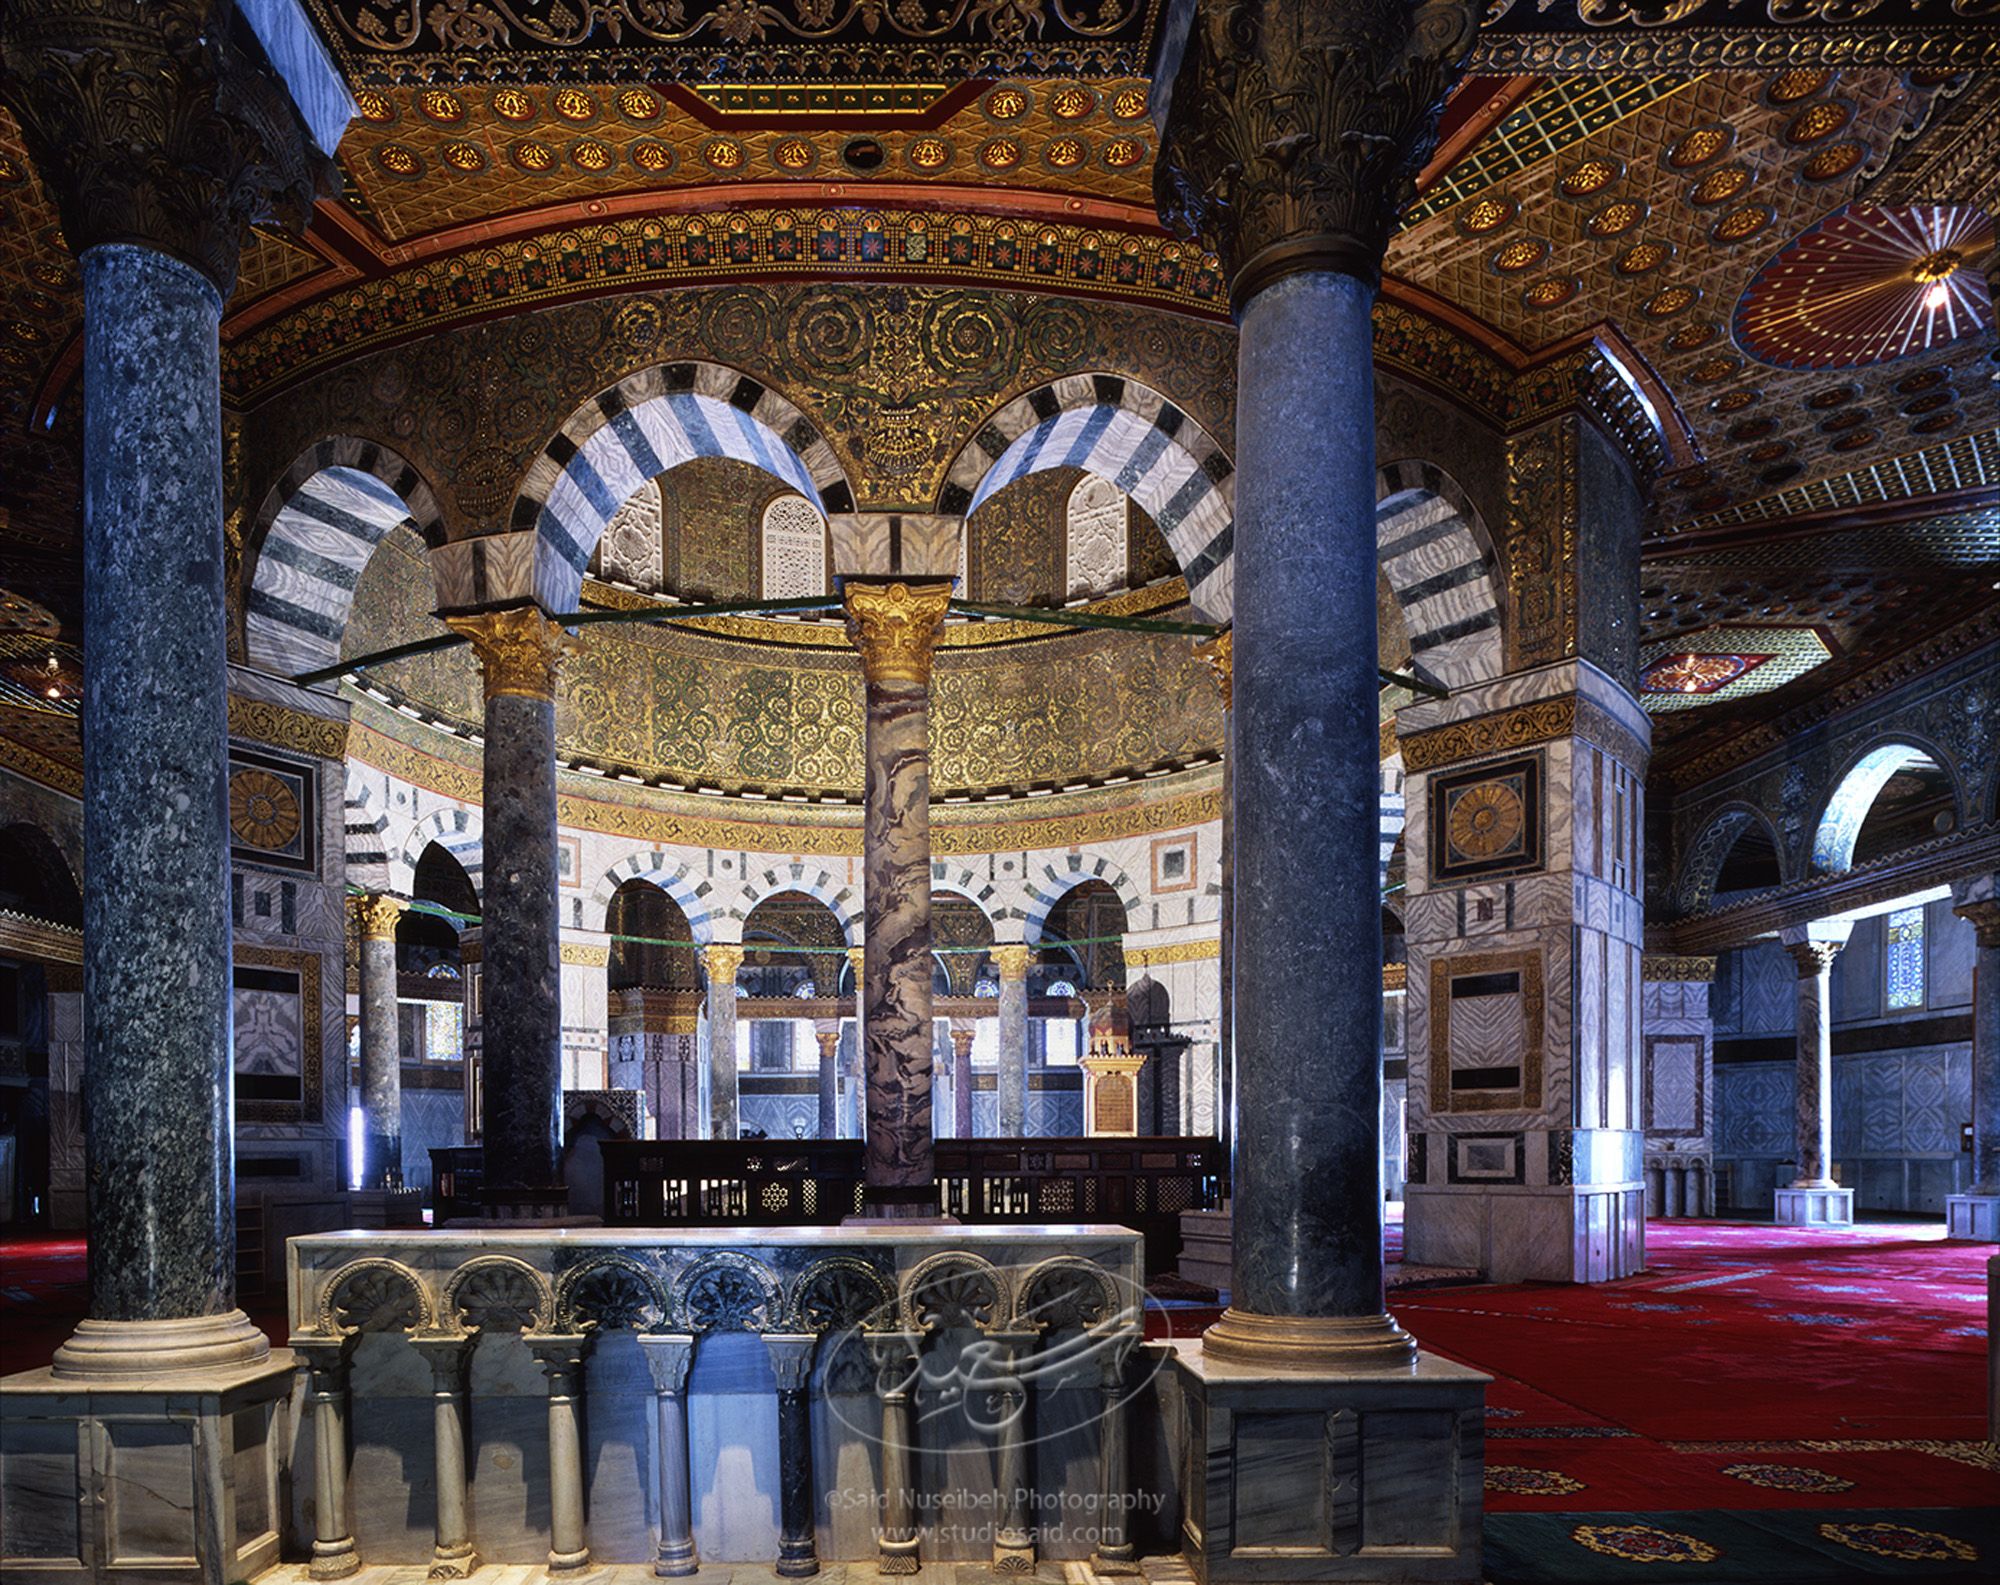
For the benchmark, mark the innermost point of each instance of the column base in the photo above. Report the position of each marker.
(185, 1469)
(801, 1563)
(676, 1561)
(1814, 1207)
(144, 1351)
(1972, 1216)
(1012, 1556)
(460, 1564)
(569, 1562)
(1332, 1475)
(1123, 1561)
(896, 1557)
(1295, 1342)
(334, 1560)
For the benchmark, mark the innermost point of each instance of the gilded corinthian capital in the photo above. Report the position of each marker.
(1296, 129)
(518, 649)
(377, 915)
(896, 627)
(150, 126)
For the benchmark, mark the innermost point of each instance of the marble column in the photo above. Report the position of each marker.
(449, 1359)
(961, 1080)
(1219, 652)
(325, 1362)
(792, 1362)
(895, 626)
(561, 1357)
(1007, 1411)
(828, 1039)
(1012, 958)
(521, 1083)
(1115, 1552)
(1814, 1198)
(720, 963)
(668, 1355)
(896, 1358)
(1976, 1213)
(377, 915)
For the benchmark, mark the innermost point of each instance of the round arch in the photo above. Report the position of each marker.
(457, 831)
(665, 872)
(1436, 553)
(39, 873)
(1701, 870)
(843, 900)
(640, 428)
(1857, 787)
(313, 533)
(1130, 435)
(1048, 887)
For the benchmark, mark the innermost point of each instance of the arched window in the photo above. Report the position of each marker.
(1095, 537)
(794, 549)
(633, 548)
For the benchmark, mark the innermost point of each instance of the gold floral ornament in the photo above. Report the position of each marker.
(895, 626)
(263, 810)
(573, 104)
(511, 104)
(442, 106)
(1011, 958)
(1129, 104)
(374, 106)
(930, 154)
(1487, 819)
(518, 649)
(376, 915)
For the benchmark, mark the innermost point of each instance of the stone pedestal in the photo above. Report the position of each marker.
(1973, 1216)
(163, 1479)
(1814, 1207)
(1326, 1475)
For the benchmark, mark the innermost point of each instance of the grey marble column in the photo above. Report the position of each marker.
(668, 1355)
(792, 1362)
(381, 1043)
(1306, 795)
(828, 1040)
(561, 1358)
(325, 1362)
(1220, 653)
(1115, 1552)
(1006, 1409)
(1012, 958)
(156, 932)
(1983, 913)
(895, 626)
(896, 1365)
(961, 1081)
(1813, 949)
(720, 963)
(521, 1089)
(449, 1358)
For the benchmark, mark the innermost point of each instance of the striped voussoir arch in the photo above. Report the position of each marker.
(843, 900)
(1054, 884)
(665, 872)
(1394, 810)
(457, 831)
(319, 525)
(963, 882)
(646, 424)
(1440, 572)
(1136, 439)
(367, 845)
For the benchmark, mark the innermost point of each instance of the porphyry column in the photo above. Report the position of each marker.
(1011, 958)
(895, 626)
(376, 916)
(521, 1090)
(720, 963)
(1976, 1213)
(1814, 1199)
(159, 140)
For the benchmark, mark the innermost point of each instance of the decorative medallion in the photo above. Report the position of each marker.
(1066, 154)
(1669, 301)
(655, 159)
(1910, 384)
(1001, 154)
(1800, 83)
(1753, 428)
(1551, 293)
(1720, 185)
(724, 155)
(1784, 473)
(1846, 419)
(1867, 285)
(1769, 452)
(1834, 161)
(1520, 1481)
(1818, 122)
(1129, 104)
(1710, 370)
(1487, 820)
(1832, 397)
(1917, 406)
(1740, 225)
(1903, 1542)
(513, 104)
(1698, 147)
(793, 156)
(532, 157)
(464, 156)
(1007, 103)
(1936, 424)
(1735, 401)
(573, 105)
(1615, 219)
(1071, 102)
(1523, 253)
(1589, 178)
(1643, 257)
(400, 161)
(1486, 215)
(442, 106)
(1123, 153)
(1697, 674)
(267, 804)
(639, 104)
(929, 154)
(1642, 1543)
(1787, 1477)
(1855, 440)
(592, 157)
(374, 107)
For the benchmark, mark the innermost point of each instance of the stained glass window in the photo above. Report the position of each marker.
(444, 1032)
(1904, 969)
